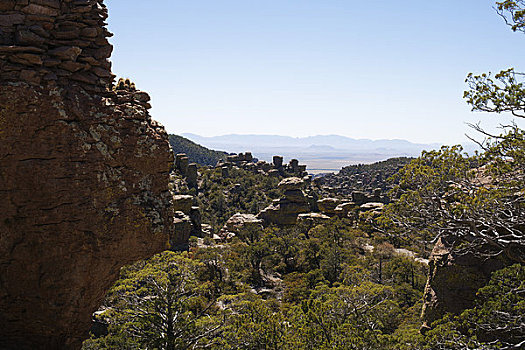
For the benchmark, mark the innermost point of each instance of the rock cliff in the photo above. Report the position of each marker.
(84, 173)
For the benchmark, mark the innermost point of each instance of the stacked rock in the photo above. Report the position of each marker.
(181, 163)
(284, 211)
(192, 175)
(276, 168)
(188, 171)
(335, 206)
(241, 157)
(55, 42)
(327, 205)
(187, 221)
(295, 169)
(277, 162)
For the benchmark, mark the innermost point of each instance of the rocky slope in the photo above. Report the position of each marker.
(84, 173)
(364, 178)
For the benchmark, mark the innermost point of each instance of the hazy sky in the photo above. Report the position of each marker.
(363, 69)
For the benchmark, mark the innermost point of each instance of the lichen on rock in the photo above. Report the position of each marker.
(84, 173)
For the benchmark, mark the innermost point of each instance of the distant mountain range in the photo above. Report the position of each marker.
(320, 153)
(322, 141)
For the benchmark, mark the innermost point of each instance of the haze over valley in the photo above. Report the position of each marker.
(321, 153)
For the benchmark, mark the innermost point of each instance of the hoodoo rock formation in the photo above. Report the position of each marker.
(84, 173)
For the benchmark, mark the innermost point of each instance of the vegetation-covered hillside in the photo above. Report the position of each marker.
(241, 192)
(196, 153)
(342, 282)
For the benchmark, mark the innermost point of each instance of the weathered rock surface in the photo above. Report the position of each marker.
(55, 42)
(315, 218)
(372, 207)
(237, 223)
(327, 205)
(182, 202)
(181, 232)
(343, 209)
(453, 281)
(84, 173)
(284, 211)
(84, 191)
(291, 183)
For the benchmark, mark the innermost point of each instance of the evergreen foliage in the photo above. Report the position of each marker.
(196, 153)
(321, 286)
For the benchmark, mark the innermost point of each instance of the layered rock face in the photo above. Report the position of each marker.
(84, 173)
(55, 42)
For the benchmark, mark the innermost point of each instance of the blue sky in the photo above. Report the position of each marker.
(363, 69)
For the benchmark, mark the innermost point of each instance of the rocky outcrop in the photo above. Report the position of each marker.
(183, 228)
(84, 173)
(237, 223)
(284, 211)
(182, 202)
(182, 163)
(188, 218)
(344, 209)
(247, 162)
(192, 176)
(314, 218)
(55, 42)
(327, 205)
(453, 281)
(239, 158)
(363, 183)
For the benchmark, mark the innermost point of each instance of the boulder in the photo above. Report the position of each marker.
(301, 170)
(181, 163)
(372, 206)
(183, 203)
(359, 197)
(225, 172)
(291, 183)
(196, 221)
(233, 158)
(289, 207)
(239, 222)
(327, 205)
(274, 173)
(273, 215)
(343, 209)
(206, 230)
(236, 188)
(264, 166)
(296, 196)
(294, 166)
(307, 179)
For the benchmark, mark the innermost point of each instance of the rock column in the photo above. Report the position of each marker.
(84, 173)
